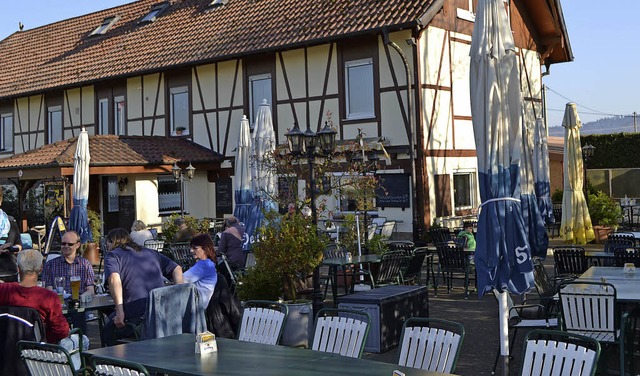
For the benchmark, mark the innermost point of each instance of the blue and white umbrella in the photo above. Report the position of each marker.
(242, 173)
(502, 257)
(541, 171)
(78, 220)
(263, 175)
(534, 224)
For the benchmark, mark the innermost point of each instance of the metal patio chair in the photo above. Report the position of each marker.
(181, 254)
(390, 272)
(156, 245)
(553, 352)
(262, 322)
(45, 359)
(591, 309)
(570, 261)
(430, 344)
(411, 275)
(623, 256)
(341, 331)
(452, 258)
(17, 323)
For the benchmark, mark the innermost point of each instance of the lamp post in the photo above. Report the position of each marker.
(309, 144)
(587, 153)
(178, 175)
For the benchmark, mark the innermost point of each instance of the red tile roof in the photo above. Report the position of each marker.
(189, 31)
(110, 150)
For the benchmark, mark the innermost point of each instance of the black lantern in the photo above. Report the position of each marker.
(176, 171)
(587, 151)
(327, 138)
(179, 177)
(295, 137)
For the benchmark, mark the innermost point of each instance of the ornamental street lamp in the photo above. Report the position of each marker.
(310, 144)
(587, 153)
(178, 175)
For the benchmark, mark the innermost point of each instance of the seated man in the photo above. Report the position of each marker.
(184, 233)
(231, 243)
(26, 293)
(68, 265)
(132, 271)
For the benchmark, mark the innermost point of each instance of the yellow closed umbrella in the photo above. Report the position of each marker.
(576, 225)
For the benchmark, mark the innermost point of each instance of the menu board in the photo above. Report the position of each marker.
(393, 191)
(224, 197)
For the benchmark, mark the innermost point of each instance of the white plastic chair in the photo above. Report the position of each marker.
(341, 331)
(552, 352)
(112, 367)
(262, 322)
(156, 245)
(430, 344)
(44, 359)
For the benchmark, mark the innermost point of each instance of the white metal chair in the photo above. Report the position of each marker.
(388, 228)
(111, 367)
(262, 322)
(430, 344)
(156, 245)
(341, 331)
(44, 359)
(591, 309)
(552, 352)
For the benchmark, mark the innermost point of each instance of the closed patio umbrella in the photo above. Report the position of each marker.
(534, 224)
(242, 172)
(502, 257)
(78, 220)
(541, 171)
(576, 225)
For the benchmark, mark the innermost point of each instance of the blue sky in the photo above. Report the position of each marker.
(603, 79)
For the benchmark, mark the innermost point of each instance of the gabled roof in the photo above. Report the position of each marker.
(189, 31)
(124, 152)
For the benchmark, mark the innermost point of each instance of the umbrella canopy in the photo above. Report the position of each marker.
(78, 220)
(502, 257)
(576, 221)
(243, 192)
(534, 224)
(263, 176)
(541, 171)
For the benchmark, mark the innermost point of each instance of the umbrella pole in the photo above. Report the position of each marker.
(503, 315)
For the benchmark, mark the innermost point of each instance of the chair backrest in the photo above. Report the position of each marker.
(156, 245)
(544, 285)
(414, 267)
(590, 308)
(618, 241)
(249, 260)
(173, 309)
(27, 241)
(44, 359)
(553, 352)
(622, 256)
(17, 323)
(391, 265)
(112, 367)
(341, 331)
(430, 344)
(181, 254)
(379, 221)
(570, 261)
(333, 250)
(387, 229)
(262, 322)
(557, 212)
(452, 256)
(371, 230)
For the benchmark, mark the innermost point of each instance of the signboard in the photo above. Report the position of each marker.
(224, 197)
(393, 191)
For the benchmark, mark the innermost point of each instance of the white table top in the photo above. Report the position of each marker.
(626, 284)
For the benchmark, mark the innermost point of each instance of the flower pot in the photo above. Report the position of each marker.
(297, 328)
(601, 233)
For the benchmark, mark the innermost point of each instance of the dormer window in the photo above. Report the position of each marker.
(106, 25)
(155, 12)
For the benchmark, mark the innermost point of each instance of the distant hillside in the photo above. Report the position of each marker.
(616, 124)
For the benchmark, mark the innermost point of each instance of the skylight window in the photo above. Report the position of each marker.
(106, 25)
(155, 12)
(216, 3)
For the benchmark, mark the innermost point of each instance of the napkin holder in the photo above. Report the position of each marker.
(206, 343)
(629, 268)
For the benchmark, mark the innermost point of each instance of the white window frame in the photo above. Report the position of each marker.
(471, 173)
(155, 12)
(359, 92)
(50, 117)
(119, 115)
(106, 25)
(256, 99)
(103, 116)
(6, 132)
(169, 201)
(173, 92)
(113, 197)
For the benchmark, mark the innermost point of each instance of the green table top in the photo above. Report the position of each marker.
(340, 261)
(176, 355)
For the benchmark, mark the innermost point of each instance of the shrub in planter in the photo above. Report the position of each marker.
(604, 210)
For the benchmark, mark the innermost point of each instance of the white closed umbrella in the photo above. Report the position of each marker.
(78, 220)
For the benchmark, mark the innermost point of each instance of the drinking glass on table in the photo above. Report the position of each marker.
(59, 284)
(75, 287)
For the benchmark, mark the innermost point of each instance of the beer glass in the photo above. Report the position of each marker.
(75, 287)
(58, 285)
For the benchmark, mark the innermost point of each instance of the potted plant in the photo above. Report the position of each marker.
(169, 229)
(288, 252)
(90, 250)
(605, 214)
(180, 130)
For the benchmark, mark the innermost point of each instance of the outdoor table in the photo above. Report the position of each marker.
(343, 262)
(626, 284)
(98, 303)
(175, 355)
(599, 256)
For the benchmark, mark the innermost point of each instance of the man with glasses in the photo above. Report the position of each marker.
(69, 264)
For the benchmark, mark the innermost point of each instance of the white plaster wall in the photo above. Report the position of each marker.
(134, 97)
(146, 192)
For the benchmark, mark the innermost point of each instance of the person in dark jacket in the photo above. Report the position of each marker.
(231, 242)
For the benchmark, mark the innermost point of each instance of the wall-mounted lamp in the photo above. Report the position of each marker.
(122, 183)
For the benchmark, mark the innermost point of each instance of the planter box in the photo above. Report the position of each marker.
(388, 307)
(601, 233)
